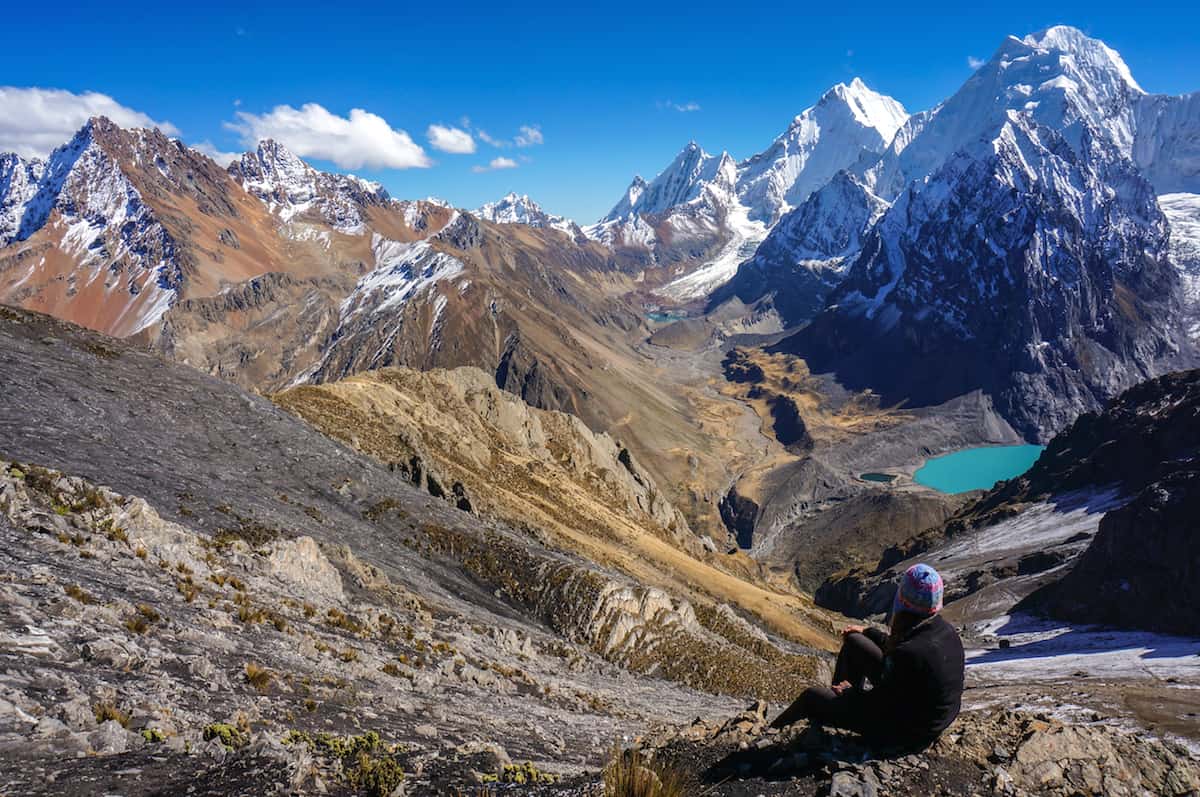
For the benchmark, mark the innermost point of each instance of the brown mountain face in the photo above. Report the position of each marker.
(271, 273)
(122, 224)
(542, 312)
(483, 449)
(134, 220)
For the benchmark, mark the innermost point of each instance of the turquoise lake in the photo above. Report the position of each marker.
(976, 468)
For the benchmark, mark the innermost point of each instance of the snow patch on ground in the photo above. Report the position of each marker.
(1047, 650)
(1042, 525)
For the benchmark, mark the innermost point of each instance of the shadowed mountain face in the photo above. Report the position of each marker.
(1142, 569)
(972, 285)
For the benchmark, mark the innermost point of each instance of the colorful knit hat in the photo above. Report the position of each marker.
(920, 592)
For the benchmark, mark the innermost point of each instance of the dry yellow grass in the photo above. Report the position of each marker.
(579, 510)
(788, 375)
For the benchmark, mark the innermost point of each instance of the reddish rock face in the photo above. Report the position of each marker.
(117, 226)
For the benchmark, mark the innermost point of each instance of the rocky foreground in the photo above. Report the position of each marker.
(144, 659)
(993, 752)
(252, 609)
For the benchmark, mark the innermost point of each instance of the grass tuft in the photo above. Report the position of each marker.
(630, 774)
(107, 711)
(78, 593)
(258, 677)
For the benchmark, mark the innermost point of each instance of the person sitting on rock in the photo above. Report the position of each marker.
(915, 673)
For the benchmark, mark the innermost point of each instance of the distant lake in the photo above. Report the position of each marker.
(976, 468)
(665, 317)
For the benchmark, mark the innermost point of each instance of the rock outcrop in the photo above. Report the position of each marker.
(998, 752)
(487, 439)
(1142, 570)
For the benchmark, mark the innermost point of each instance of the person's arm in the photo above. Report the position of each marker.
(901, 673)
(877, 636)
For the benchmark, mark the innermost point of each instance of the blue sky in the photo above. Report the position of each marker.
(602, 83)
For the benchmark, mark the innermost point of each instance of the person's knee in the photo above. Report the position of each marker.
(860, 648)
(858, 642)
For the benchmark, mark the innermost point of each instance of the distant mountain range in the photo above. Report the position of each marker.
(703, 205)
(1036, 236)
(515, 208)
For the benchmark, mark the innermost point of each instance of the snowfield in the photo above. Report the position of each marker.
(1046, 650)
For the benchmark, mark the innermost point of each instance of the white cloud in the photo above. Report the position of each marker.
(224, 158)
(495, 142)
(362, 139)
(975, 63)
(496, 163)
(34, 121)
(450, 139)
(682, 107)
(529, 136)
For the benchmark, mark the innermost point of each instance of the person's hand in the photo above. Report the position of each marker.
(853, 629)
(839, 688)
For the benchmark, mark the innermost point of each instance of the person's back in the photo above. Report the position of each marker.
(920, 689)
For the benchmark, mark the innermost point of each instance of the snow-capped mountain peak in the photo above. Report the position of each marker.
(83, 210)
(683, 181)
(870, 108)
(708, 212)
(849, 121)
(1088, 53)
(514, 208)
(290, 187)
(1060, 78)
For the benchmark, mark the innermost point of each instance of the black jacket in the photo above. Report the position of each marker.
(920, 691)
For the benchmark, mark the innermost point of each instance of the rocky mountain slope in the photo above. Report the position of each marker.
(543, 471)
(991, 752)
(255, 535)
(1141, 569)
